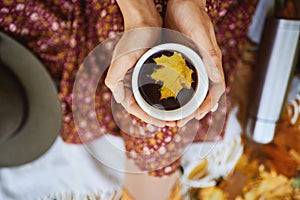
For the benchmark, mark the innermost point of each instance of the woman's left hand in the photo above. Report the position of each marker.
(142, 31)
(190, 18)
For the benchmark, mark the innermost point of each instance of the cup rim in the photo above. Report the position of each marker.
(200, 92)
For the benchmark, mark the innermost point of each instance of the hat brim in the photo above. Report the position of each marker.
(43, 121)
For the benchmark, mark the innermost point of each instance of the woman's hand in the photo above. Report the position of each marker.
(140, 20)
(190, 18)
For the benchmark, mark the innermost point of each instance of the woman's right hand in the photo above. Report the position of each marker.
(190, 18)
(142, 31)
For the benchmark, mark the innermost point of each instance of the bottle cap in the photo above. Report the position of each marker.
(261, 131)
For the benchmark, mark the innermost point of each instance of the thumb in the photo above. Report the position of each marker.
(213, 63)
(117, 71)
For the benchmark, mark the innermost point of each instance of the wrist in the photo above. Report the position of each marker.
(139, 13)
(141, 20)
(199, 3)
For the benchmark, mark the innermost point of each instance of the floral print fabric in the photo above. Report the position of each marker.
(61, 33)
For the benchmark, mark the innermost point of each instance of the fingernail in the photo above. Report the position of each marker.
(215, 107)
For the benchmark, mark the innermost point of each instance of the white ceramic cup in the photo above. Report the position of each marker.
(199, 94)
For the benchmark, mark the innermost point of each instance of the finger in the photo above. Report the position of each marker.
(129, 49)
(204, 37)
(216, 106)
(210, 104)
(200, 116)
(215, 92)
(204, 108)
(118, 92)
(128, 79)
(213, 64)
(118, 70)
(200, 113)
(133, 108)
(171, 123)
(210, 101)
(184, 121)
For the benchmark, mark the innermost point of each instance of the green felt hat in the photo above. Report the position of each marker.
(30, 115)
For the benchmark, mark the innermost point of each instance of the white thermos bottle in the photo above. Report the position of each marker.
(275, 65)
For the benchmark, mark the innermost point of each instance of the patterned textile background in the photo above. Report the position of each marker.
(62, 32)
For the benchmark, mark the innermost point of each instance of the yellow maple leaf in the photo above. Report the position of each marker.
(173, 73)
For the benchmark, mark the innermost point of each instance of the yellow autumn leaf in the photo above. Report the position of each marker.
(173, 73)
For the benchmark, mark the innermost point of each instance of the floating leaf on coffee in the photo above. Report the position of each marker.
(173, 73)
(167, 80)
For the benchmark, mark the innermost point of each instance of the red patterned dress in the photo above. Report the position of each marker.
(62, 32)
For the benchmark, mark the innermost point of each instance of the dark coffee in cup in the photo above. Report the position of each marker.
(167, 80)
